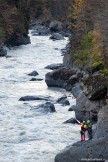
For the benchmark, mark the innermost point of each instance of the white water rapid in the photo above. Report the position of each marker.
(26, 135)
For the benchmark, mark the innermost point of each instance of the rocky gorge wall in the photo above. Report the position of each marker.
(90, 21)
(14, 22)
(91, 17)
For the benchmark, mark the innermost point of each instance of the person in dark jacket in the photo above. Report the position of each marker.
(89, 129)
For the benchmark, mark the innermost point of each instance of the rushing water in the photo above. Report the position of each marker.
(28, 135)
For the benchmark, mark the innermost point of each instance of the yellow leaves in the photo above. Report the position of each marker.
(77, 5)
(10, 29)
(74, 26)
(89, 50)
(95, 54)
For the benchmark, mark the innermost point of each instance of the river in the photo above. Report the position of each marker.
(28, 135)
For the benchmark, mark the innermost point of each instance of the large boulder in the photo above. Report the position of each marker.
(84, 151)
(72, 121)
(55, 26)
(3, 51)
(41, 30)
(23, 40)
(31, 98)
(58, 78)
(18, 39)
(33, 73)
(36, 79)
(54, 66)
(56, 36)
(44, 31)
(47, 107)
(92, 150)
(63, 100)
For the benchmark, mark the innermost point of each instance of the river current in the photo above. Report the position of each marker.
(28, 135)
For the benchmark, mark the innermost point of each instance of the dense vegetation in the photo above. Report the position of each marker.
(14, 19)
(89, 43)
(49, 9)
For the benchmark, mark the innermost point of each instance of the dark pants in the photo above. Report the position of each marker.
(90, 133)
(82, 135)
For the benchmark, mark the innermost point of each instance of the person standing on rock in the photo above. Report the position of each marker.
(83, 130)
(89, 129)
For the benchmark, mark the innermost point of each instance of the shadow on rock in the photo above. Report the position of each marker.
(47, 107)
(31, 98)
(63, 100)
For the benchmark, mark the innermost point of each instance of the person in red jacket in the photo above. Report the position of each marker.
(83, 130)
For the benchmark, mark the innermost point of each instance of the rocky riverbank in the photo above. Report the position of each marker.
(89, 105)
(88, 57)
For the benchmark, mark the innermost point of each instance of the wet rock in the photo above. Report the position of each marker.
(36, 79)
(44, 31)
(54, 66)
(55, 26)
(31, 98)
(22, 133)
(65, 34)
(33, 73)
(3, 51)
(40, 30)
(23, 40)
(57, 36)
(18, 39)
(56, 48)
(71, 120)
(92, 149)
(63, 100)
(64, 50)
(70, 109)
(58, 78)
(47, 107)
(35, 34)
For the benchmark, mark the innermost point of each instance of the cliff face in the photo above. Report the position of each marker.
(89, 53)
(91, 19)
(14, 22)
(89, 46)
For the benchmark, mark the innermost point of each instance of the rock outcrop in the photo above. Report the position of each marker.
(14, 22)
(92, 149)
(59, 77)
(3, 51)
(89, 19)
(95, 150)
